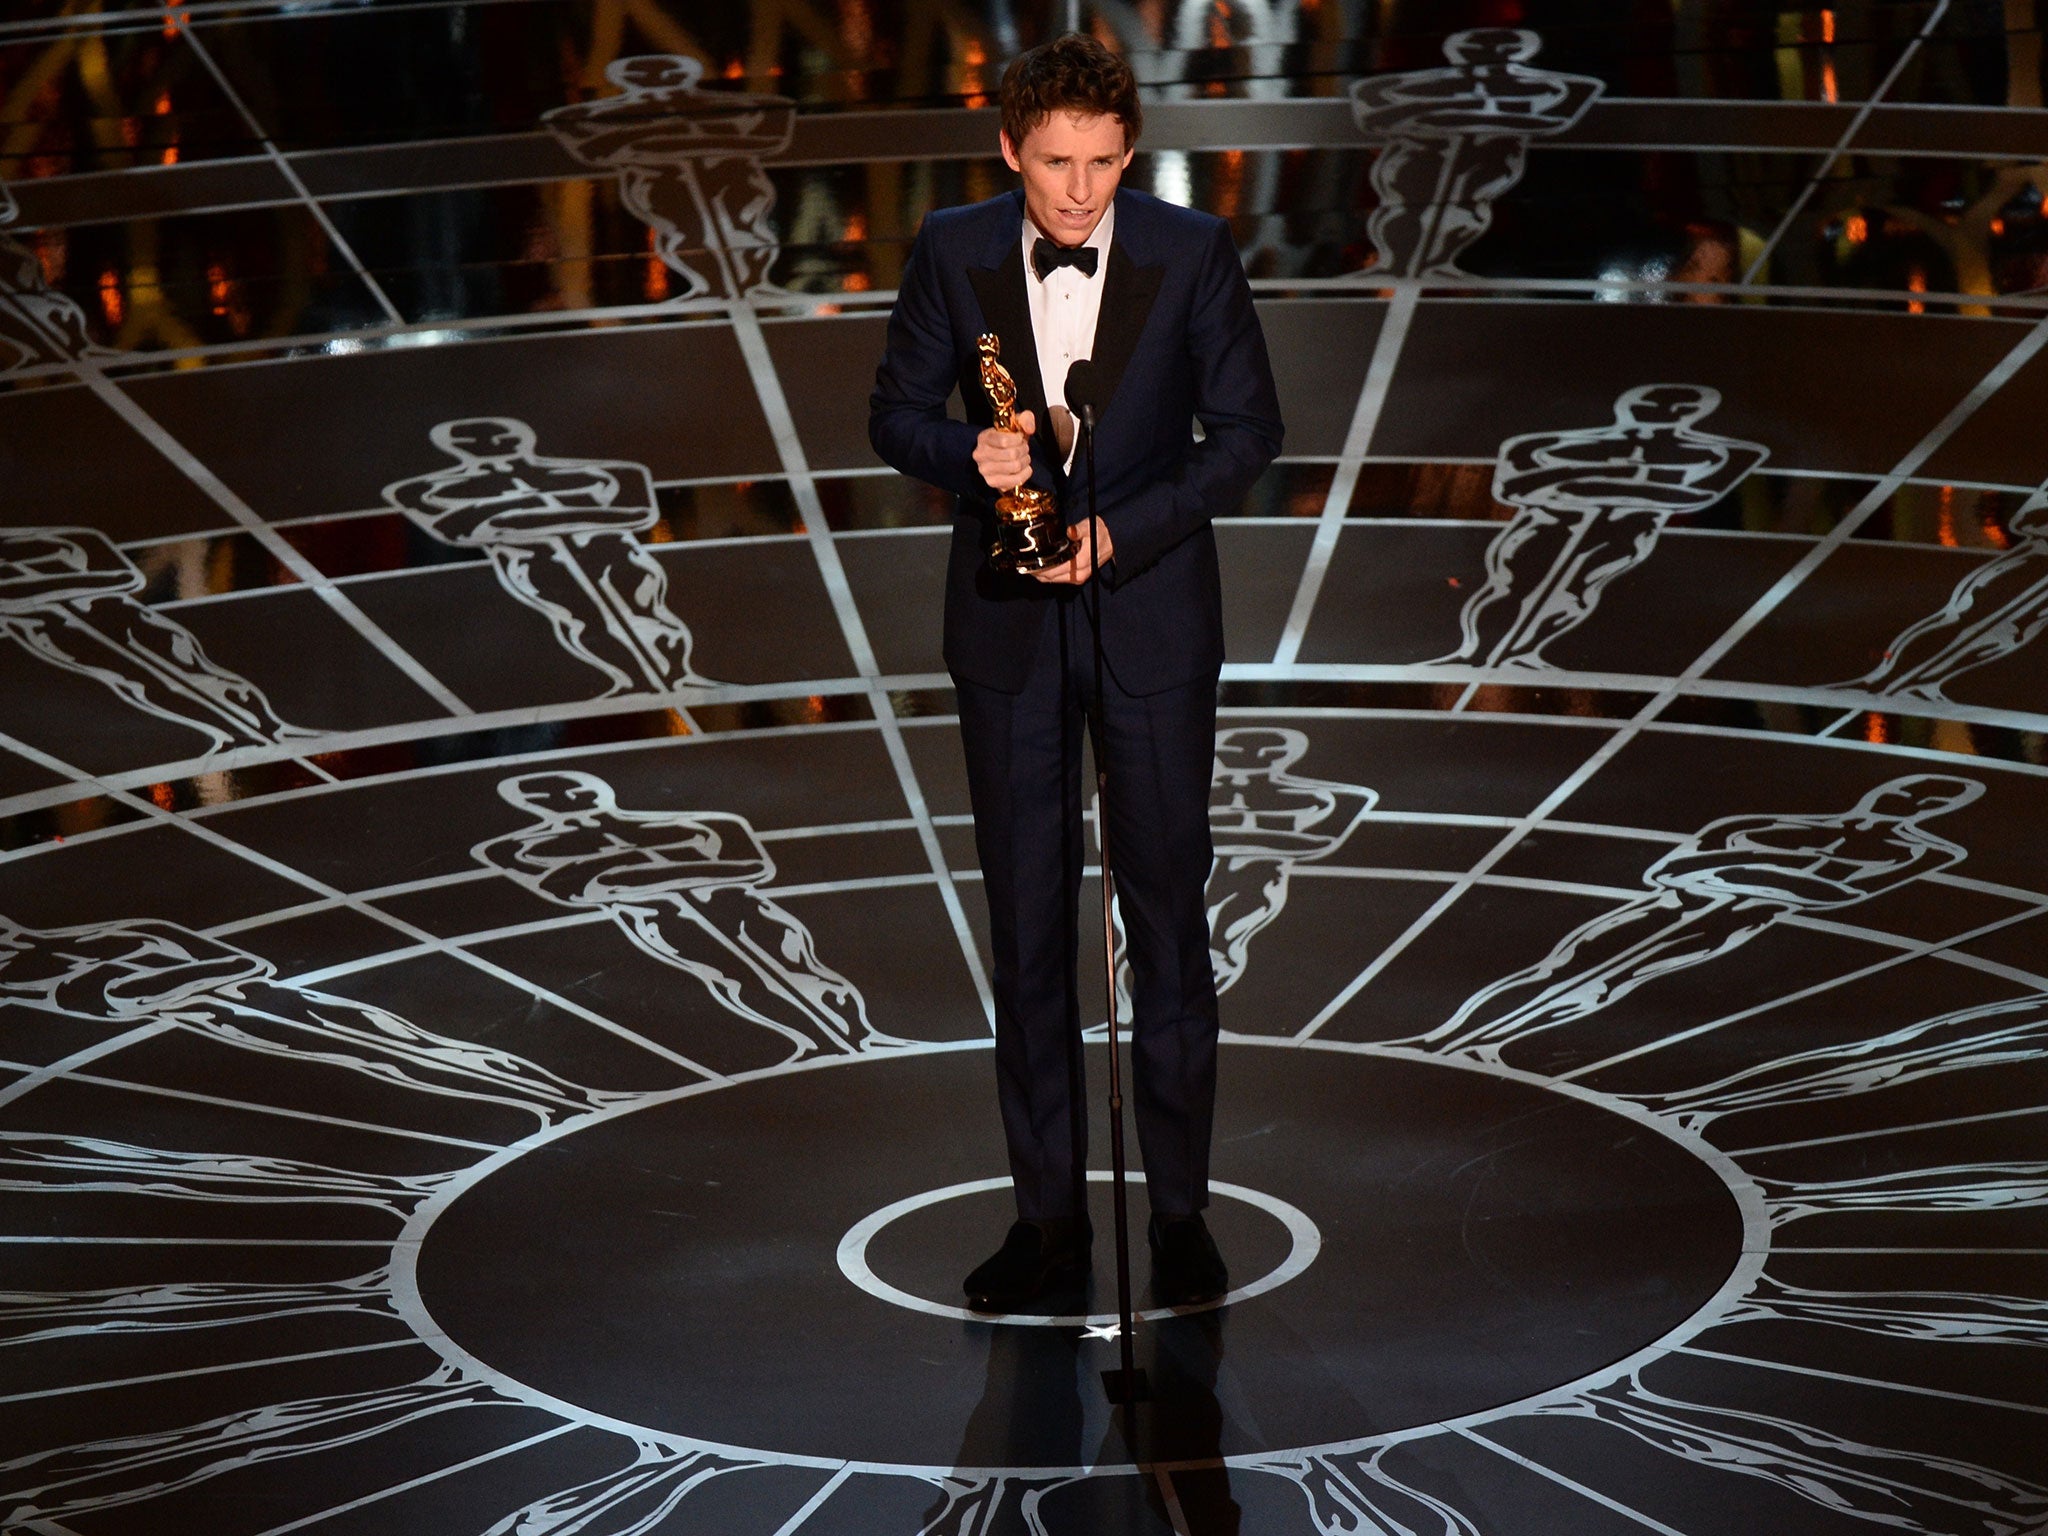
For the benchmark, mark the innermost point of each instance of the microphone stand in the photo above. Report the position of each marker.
(1126, 1385)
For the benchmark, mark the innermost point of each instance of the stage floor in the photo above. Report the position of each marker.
(494, 1006)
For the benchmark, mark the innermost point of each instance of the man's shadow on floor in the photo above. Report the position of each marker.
(1044, 1406)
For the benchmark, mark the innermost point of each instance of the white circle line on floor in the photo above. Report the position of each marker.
(1305, 1242)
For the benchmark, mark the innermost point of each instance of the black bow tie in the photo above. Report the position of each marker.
(1047, 258)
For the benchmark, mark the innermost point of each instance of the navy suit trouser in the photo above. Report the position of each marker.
(1024, 775)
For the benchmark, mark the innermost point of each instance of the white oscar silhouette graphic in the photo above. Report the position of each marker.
(1357, 1494)
(2012, 1186)
(145, 970)
(1958, 1317)
(1905, 1490)
(1590, 506)
(1265, 822)
(77, 1482)
(67, 597)
(1457, 138)
(2002, 1034)
(1711, 895)
(562, 536)
(1999, 607)
(36, 325)
(47, 1163)
(687, 887)
(689, 167)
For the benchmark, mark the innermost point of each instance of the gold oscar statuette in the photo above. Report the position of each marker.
(1030, 535)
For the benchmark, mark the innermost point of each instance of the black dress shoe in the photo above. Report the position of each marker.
(1037, 1258)
(1187, 1271)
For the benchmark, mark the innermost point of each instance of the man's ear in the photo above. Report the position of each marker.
(1009, 151)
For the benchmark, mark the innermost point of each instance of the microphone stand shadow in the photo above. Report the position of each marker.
(1184, 1428)
(1026, 1448)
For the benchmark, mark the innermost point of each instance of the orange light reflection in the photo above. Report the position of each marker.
(1945, 517)
(654, 283)
(973, 86)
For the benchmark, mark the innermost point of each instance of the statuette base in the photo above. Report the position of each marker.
(1029, 534)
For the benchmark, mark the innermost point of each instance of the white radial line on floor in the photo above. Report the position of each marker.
(2035, 1253)
(440, 727)
(424, 1479)
(810, 1507)
(670, 314)
(281, 915)
(1848, 137)
(275, 544)
(1891, 1130)
(555, 999)
(225, 1367)
(429, 942)
(1170, 1497)
(157, 1090)
(1765, 605)
(1501, 882)
(382, 1244)
(283, 166)
(1476, 875)
(2031, 980)
(47, 1528)
(2001, 373)
(1365, 419)
(421, 938)
(462, 941)
(1922, 951)
(803, 488)
(586, 709)
(1861, 1381)
(1572, 1484)
(80, 1058)
(865, 883)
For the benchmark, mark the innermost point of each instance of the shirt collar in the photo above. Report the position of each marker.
(1100, 239)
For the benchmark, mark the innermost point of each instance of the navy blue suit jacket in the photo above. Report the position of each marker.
(1177, 342)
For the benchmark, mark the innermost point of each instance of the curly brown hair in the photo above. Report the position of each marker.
(1074, 73)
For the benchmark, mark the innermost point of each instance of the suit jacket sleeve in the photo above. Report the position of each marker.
(1234, 400)
(907, 421)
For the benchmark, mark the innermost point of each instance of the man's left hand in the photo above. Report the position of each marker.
(1075, 572)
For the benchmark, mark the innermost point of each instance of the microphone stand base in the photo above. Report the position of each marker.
(1124, 1387)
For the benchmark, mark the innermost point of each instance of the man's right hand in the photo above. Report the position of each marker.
(1004, 458)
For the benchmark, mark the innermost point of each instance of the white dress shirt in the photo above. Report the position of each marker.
(1064, 308)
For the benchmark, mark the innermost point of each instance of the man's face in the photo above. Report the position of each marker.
(1071, 165)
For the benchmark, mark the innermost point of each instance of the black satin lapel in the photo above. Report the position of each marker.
(1127, 294)
(1007, 309)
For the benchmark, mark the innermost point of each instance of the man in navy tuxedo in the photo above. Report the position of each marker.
(1067, 268)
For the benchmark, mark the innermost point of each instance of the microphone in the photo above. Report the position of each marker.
(1084, 391)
